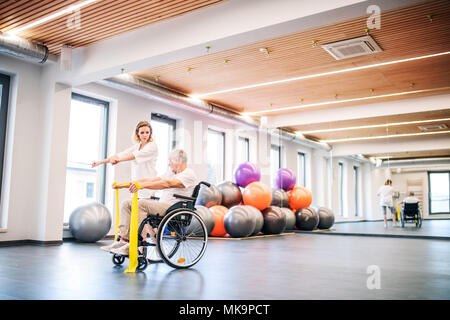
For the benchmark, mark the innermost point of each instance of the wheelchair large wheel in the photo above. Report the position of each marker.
(182, 238)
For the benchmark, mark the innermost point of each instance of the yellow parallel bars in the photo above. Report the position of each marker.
(133, 251)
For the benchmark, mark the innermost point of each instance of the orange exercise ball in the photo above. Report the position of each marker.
(258, 195)
(299, 198)
(218, 213)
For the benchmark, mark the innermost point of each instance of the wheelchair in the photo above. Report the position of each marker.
(181, 238)
(411, 213)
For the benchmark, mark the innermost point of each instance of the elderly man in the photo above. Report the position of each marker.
(179, 179)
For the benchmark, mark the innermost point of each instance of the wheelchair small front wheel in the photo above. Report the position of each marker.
(185, 242)
(118, 260)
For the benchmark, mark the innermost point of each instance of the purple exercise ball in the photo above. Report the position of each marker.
(247, 173)
(285, 179)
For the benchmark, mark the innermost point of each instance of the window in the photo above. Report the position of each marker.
(356, 188)
(215, 156)
(341, 188)
(243, 150)
(275, 161)
(163, 129)
(439, 192)
(4, 96)
(301, 165)
(87, 142)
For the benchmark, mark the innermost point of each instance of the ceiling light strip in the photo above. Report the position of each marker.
(384, 137)
(373, 126)
(320, 74)
(51, 17)
(340, 101)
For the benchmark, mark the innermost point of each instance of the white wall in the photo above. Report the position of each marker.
(20, 180)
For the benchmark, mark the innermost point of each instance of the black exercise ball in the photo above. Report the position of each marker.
(290, 218)
(326, 218)
(259, 220)
(280, 198)
(239, 222)
(274, 220)
(306, 219)
(209, 196)
(231, 194)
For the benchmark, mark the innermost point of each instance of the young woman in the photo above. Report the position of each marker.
(386, 193)
(143, 155)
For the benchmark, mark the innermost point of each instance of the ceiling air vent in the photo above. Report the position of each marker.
(432, 127)
(352, 47)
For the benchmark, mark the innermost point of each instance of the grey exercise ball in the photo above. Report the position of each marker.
(274, 220)
(209, 196)
(239, 222)
(231, 194)
(280, 198)
(306, 219)
(290, 218)
(90, 222)
(206, 216)
(259, 220)
(326, 218)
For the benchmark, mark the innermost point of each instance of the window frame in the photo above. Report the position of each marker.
(5, 81)
(246, 140)
(429, 192)
(170, 121)
(105, 105)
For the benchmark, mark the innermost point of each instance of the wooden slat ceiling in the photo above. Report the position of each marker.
(404, 33)
(379, 131)
(98, 21)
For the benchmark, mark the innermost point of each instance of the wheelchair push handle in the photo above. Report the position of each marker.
(197, 188)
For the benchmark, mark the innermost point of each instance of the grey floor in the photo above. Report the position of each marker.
(293, 267)
(431, 229)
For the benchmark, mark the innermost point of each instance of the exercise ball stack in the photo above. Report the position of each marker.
(306, 219)
(231, 194)
(280, 198)
(239, 221)
(326, 218)
(247, 206)
(290, 218)
(209, 196)
(90, 222)
(274, 220)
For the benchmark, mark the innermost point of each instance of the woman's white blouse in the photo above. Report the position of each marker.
(143, 166)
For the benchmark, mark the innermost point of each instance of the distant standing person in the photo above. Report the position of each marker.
(143, 155)
(386, 193)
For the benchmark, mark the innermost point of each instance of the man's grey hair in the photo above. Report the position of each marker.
(178, 155)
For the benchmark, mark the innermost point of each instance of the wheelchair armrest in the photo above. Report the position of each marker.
(179, 196)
